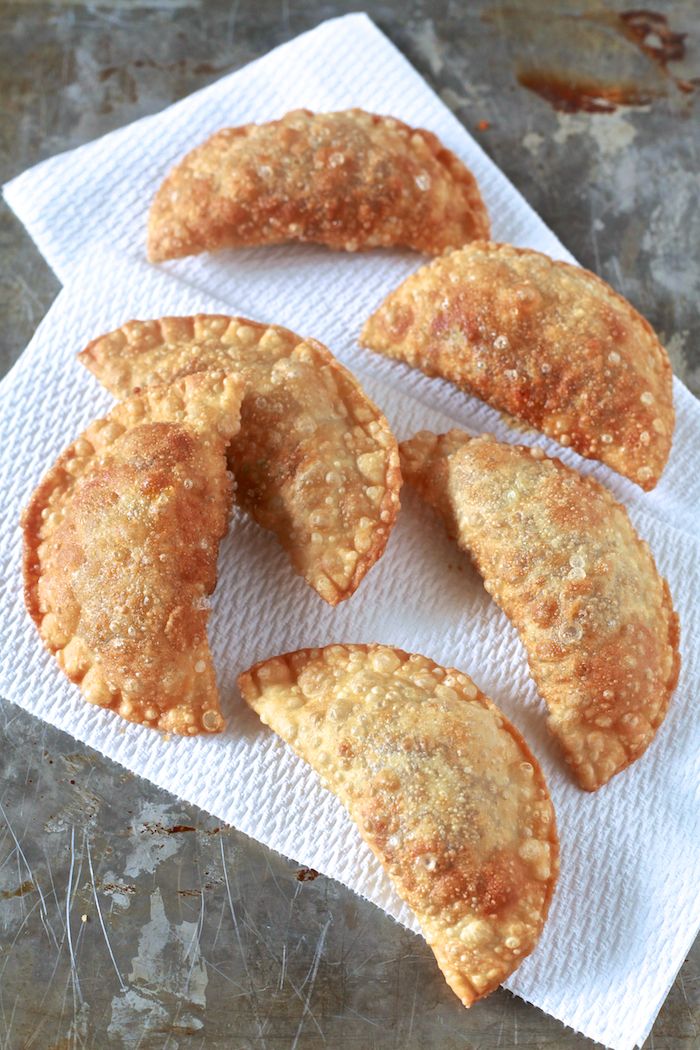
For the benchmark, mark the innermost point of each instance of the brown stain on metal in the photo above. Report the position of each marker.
(653, 35)
(596, 60)
(116, 887)
(177, 1029)
(580, 96)
(307, 874)
(25, 887)
(198, 893)
(208, 69)
(122, 82)
(178, 65)
(644, 26)
(160, 829)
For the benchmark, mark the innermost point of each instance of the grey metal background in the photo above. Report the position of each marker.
(128, 919)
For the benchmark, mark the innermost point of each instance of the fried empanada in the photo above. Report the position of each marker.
(120, 546)
(442, 787)
(315, 461)
(561, 558)
(548, 343)
(350, 180)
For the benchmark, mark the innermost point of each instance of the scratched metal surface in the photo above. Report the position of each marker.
(128, 919)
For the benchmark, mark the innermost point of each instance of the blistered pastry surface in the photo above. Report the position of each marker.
(120, 547)
(350, 180)
(549, 343)
(442, 787)
(315, 460)
(562, 559)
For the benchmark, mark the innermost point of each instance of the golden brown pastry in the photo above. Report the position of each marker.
(315, 460)
(349, 180)
(120, 546)
(561, 558)
(546, 342)
(442, 787)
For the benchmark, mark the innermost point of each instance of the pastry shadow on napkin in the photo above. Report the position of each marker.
(301, 262)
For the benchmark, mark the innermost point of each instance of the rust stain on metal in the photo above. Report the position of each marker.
(596, 60)
(117, 887)
(307, 874)
(654, 35)
(160, 829)
(25, 887)
(581, 96)
(178, 65)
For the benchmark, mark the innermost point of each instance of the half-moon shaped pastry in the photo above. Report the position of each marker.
(315, 461)
(546, 342)
(442, 787)
(561, 558)
(120, 546)
(349, 180)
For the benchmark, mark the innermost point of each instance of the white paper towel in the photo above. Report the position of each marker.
(626, 910)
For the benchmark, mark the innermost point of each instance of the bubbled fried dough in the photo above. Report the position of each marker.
(315, 461)
(442, 787)
(546, 342)
(349, 180)
(120, 547)
(561, 558)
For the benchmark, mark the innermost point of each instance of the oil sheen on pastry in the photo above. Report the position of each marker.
(561, 558)
(120, 546)
(442, 787)
(544, 341)
(349, 180)
(314, 461)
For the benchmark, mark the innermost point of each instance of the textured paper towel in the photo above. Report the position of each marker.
(626, 910)
(627, 906)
